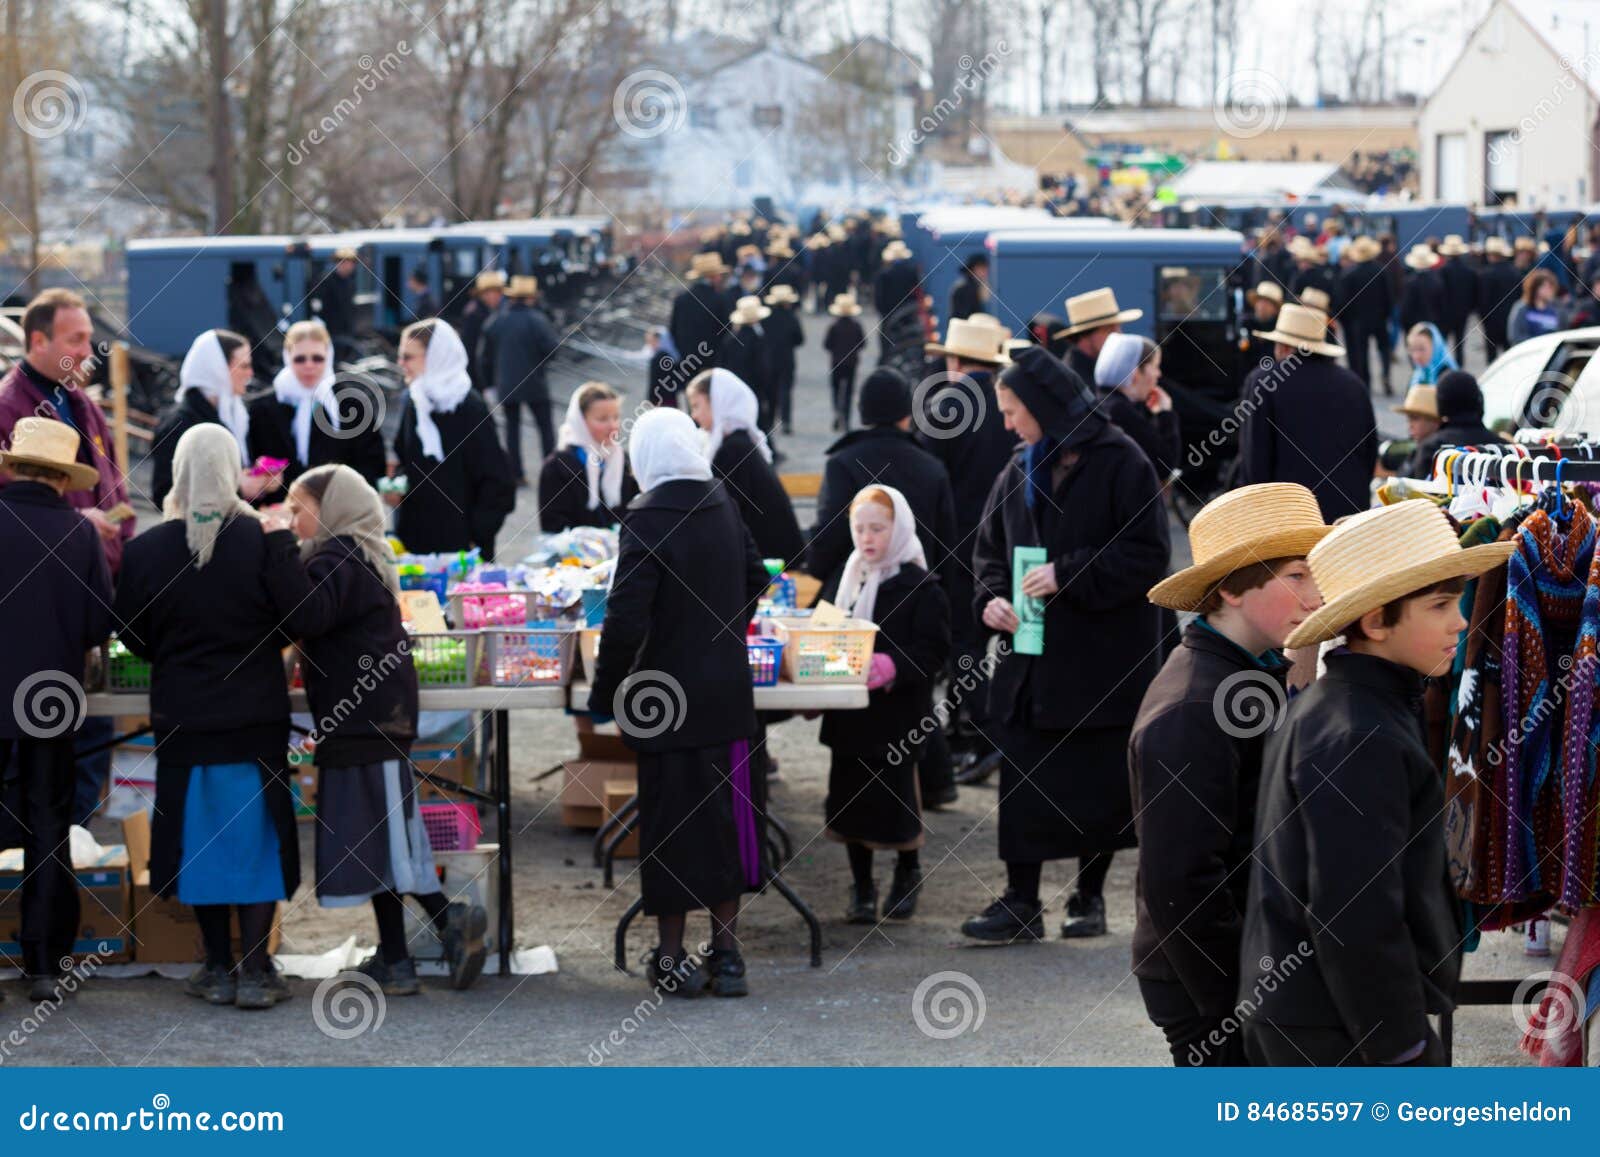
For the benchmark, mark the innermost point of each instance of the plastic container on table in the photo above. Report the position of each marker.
(452, 827)
(837, 653)
(531, 656)
(474, 606)
(124, 671)
(766, 660)
(446, 658)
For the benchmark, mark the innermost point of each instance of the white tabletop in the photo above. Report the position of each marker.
(782, 697)
(429, 699)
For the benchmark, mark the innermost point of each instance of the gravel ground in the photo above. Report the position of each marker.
(879, 998)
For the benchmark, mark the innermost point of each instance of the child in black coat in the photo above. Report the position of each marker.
(873, 802)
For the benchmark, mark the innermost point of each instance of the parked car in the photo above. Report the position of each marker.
(1547, 381)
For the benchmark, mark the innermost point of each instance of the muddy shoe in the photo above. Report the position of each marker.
(212, 985)
(464, 929)
(727, 973)
(902, 901)
(254, 991)
(683, 976)
(1008, 920)
(863, 906)
(397, 979)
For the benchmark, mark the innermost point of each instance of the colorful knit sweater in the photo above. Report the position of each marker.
(1579, 802)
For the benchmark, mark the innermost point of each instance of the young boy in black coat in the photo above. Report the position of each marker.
(1195, 757)
(60, 602)
(1352, 934)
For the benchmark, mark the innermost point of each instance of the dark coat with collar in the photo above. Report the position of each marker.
(1350, 862)
(1156, 434)
(687, 579)
(1105, 530)
(192, 409)
(759, 495)
(461, 502)
(1460, 282)
(898, 284)
(358, 443)
(1364, 297)
(1422, 300)
(966, 299)
(58, 602)
(1194, 802)
(1312, 424)
(890, 457)
(784, 336)
(564, 493)
(1499, 288)
(744, 353)
(476, 319)
(519, 347)
(699, 319)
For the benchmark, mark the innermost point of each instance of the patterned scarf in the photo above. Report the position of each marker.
(1578, 798)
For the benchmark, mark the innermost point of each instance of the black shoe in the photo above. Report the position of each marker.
(464, 929)
(1008, 920)
(1085, 917)
(977, 769)
(863, 906)
(727, 973)
(276, 985)
(940, 797)
(257, 990)
(902, 901)
(212, 985)
(397, 979)
(684, 977)
(43, 988)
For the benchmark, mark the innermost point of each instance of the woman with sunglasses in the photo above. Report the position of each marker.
(312, 418)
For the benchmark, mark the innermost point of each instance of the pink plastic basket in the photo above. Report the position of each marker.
(451, 827)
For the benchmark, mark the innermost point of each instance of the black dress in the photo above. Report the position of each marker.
(357, 443)
(564, 493)
(461, 502)
(872, 780)
(762, 501)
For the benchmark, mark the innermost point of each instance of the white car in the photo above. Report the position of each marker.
(1548, 381)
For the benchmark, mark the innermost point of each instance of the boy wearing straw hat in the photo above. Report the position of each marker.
(1421, 410)
(1091, 318)
(1352, 937)
(1195, 756)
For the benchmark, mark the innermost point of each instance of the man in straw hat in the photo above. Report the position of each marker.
(1421, 410)
(1422, 299)
(1364, 307)
(1266, 299)
(970, 293)
(1499, 286)
(521, 343)
(844, 342)
(700, 312)
(898, 285)
(1349, 877)
(1195, 756)
(488, 295)
(747, 352)
(1312, 420)
(784, 337)
(1091, 318)
(60, 606)
(1311, 269)
(334, 298)
(1459, 282)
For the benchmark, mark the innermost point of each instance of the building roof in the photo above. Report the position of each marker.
(1567, 28)
(1260, 180)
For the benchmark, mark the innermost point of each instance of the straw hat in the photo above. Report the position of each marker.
(1496, 246)
(740, 228)
(748, 311)
(1381, 555)
(1452, 246)
(1421, 257)
(1364, 248)
(818, 241)
(836, 231)
(706, 265)
(782, 294)
(1313, 298)
(1524, 243)
(1421, 402)
(346, 253)
(780, 248)
(1270, 290)
(1094, 309)
(1245, 526)
(844, 305)
(979, 338)
(1304, 328)
(488, 279)
(896, 250)
(523, 286)
(47, 442)
(746, 252)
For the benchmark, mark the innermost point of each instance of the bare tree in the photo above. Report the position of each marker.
(1105, 19)
(1144, 25)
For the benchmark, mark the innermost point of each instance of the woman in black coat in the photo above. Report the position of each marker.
(212, 381)
(459, 486)
(310, 418)
(873, 802)
(586, 482)
(674, 671)
(724, 406)
(1084, 492)
(210, 598)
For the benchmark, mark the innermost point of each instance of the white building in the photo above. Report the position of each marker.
(1516, 119)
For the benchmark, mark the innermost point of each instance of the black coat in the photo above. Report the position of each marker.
(1105, 531)
(1423, 300)
(784, 336)
(522, 342)
(564, 493)
(1315, 428)
(1364, 297)
(760, 497)
(358, 443)
(744, 353)
(975, 457)
(460, 502)
(475, 321)
(844, 341)
(193, 409)
(1323, 277)
(1156, 434)
(1081, 364)
(699, 319)
(966, 299)
(334, 301)
(1499, 288)
(1194, 802)
(898, 284)
(1469, 432)
(892, 457)
(360, 679)
(1350, 863)
(57, 601)
(687, 580)
(1460, 284)
(913, 617)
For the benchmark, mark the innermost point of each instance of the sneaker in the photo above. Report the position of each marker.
(255, 990)
(863, 905)
(902, 901)
(212, 985)
(684, 977)
(1085, 917)
(464, 929)
(1008, 920)
(727, 973)
(43, 988)
(276, 985)
(1536, 937)
(397, 979)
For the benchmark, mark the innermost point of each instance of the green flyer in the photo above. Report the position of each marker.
(1029, 639)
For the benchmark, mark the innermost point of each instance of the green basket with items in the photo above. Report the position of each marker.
(124, 671)
(446, 658)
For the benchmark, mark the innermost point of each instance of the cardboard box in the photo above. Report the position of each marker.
(583, 791)
(459, 768)
(103, 899)
(618, 794)
(165, 931)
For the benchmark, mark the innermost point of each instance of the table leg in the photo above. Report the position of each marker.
(502, 801)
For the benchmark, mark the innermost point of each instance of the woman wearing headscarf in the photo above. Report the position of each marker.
(674, 671)
(210, 598)
(727, 409)
(1430, 354)
(586, 482)
(459, 485)
(873, 802)
(212, 382)
(362, 688)
(1128, 374)
(1084, 497)
(311, 418)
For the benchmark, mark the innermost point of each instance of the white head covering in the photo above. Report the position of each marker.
(205, 487)
(305, 402)
(858, 586)
(666, 447)
(441, 385)
(604, 464)
(1119, 357)
(205, 368)
(352, 508)
(734, 407)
